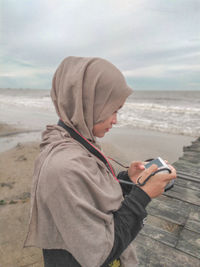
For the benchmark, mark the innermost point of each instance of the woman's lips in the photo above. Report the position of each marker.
(107, 129)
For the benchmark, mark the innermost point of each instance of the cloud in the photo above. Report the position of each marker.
(162, 71)
(143, 38)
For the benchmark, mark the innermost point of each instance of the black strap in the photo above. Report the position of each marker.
(159, 170)
(85, 143)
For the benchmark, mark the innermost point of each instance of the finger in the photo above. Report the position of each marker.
(171, 167)
(141, 166)
(173, 174)
(138, 164)
(169, 176)
(148, 172)
(152, 168)
(173, 171)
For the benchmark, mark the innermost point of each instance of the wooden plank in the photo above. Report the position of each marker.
(160, 235)
(187, 167)
(185, 183)
(168, 215)
(194, 147)
(185, 194)
(170, 209)
(189, 242)
(162, 223)
(188, 176)
(191, 157)
(190, 170)
(194, 226)
(193, 221)
(189, 164)
(152, 253)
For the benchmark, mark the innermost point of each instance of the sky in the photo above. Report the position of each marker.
(155, 43)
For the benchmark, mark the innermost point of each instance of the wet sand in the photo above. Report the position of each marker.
(139, 144)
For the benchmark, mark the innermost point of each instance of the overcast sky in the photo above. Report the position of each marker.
(155, 43)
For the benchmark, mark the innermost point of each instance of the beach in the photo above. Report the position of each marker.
(144, 131)
(124, 145)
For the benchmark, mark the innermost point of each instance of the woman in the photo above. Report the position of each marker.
(79, 216)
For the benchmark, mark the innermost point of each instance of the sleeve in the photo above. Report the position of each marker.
(125, 182)
(128, 221)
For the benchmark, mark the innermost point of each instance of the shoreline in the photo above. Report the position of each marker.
(11, 136)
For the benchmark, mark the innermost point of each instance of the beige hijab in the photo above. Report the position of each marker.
(73, 193)
(86, 91)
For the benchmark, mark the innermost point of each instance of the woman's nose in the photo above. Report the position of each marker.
(114, 119)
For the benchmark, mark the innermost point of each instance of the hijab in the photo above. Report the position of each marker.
(86, 91)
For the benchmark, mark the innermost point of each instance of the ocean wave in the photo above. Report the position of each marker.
(161, 127)
(170, 117)
(161, 119)
(169, 108)
(44, 102)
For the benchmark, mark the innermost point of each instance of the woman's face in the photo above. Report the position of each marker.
(103, 127)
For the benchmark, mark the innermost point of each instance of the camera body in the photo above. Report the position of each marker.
(161, 165)
(159, 162)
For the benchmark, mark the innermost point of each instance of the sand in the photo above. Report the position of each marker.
(16, 170)
(139, 144)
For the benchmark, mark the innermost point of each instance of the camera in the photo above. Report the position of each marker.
(161, 165)
(159, 162)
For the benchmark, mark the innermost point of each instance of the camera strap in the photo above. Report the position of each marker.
(159, 170)
(91, 148)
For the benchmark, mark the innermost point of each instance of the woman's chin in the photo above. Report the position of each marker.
(100, 135)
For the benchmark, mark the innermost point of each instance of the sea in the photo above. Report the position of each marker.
(174, 112)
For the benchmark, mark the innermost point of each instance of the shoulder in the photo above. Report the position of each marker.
(70, 158)
(70, 170)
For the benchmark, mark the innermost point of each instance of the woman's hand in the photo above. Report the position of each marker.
(135, 170)
(155, 186)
